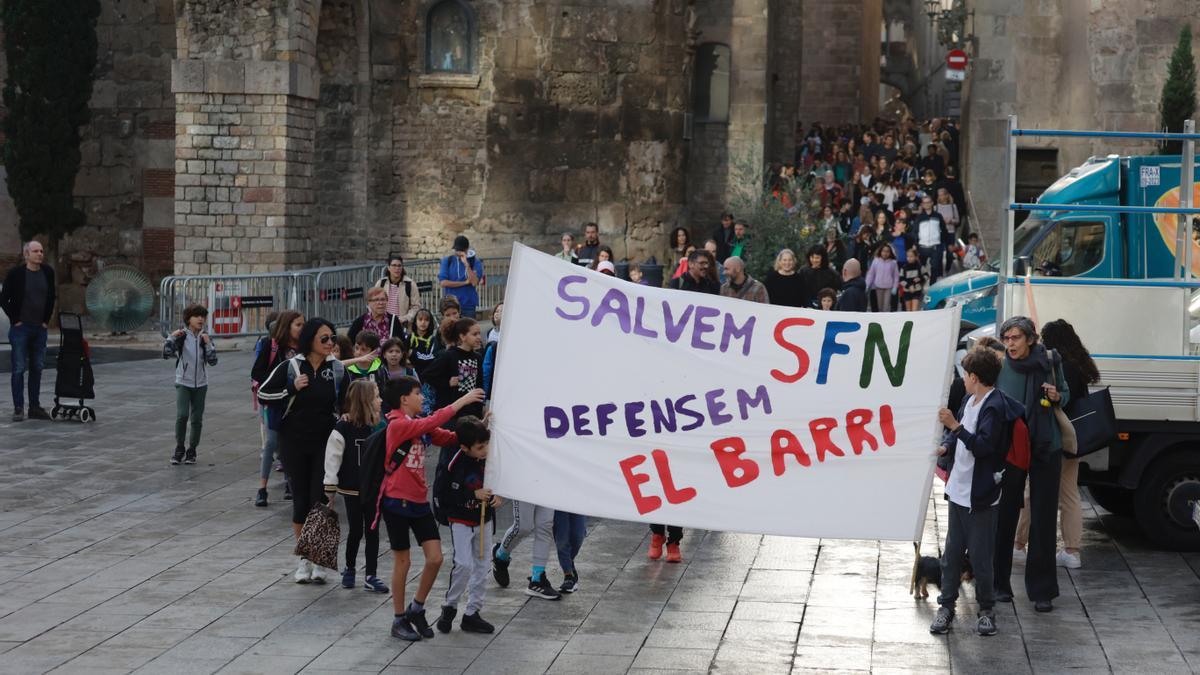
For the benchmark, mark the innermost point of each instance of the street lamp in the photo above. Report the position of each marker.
(951, 24)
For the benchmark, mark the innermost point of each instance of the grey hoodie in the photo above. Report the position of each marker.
(191, 358)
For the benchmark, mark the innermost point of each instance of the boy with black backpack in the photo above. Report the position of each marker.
(401, 495)
(458, 497)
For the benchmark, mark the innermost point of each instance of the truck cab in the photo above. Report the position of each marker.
(1085, 245)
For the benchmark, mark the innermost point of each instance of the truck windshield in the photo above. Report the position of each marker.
(1065, 248)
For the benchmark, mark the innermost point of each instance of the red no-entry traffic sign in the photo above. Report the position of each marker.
(956, 59)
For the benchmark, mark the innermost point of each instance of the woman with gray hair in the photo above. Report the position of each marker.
(1033, 376)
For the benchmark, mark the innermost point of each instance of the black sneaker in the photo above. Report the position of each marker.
(37, 412)
(942, 621)
(18, 415)
(190, 457)
(287, 491)
(261, 499)
(178, 456)
(419, 622)
(401, 628)
(499, 568)
(542, 588)
(986, 625)
(473, 623)
(446, 622)
(570, 583)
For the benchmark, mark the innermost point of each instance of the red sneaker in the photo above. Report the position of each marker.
(673, 555)
(656, 545)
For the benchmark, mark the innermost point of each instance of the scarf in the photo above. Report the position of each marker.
(1037, 369)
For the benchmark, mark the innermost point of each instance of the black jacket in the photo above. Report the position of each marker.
(685, 282)
(812, 280)
(853, 297)
(13, 293)
(344, 456)
(989, 444)
(465, 477)
(467, 367)
(313, 410)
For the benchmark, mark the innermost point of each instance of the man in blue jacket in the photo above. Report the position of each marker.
(28, 300)
(976, 446)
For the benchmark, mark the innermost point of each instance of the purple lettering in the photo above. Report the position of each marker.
(557, 423)
(604, 413)
(638, 327)
(663, 416)
(562, 293)
(674, 330)
(760, 399)
(581, 422)
(701, 326)
(615, 303)
(732, 330)
(682, 409)
(632, 421)
(715, 408)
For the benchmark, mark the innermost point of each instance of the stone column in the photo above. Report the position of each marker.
(243, 165)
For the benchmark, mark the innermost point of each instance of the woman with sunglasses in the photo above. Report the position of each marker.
(310, 387)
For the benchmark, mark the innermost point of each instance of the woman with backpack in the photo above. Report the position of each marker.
(308, 392)
(281, 343)
(403, 294)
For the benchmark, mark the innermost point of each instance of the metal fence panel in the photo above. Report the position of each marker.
(239, 304)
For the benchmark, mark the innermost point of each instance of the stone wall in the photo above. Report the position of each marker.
(787, 48)
(1041, 61)
(836, 81)
(127, 149)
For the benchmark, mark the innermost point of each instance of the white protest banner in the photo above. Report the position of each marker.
(661, 406)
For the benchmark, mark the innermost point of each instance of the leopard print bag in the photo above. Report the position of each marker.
(319, 537)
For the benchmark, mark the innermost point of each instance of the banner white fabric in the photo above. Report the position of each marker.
(624, 401)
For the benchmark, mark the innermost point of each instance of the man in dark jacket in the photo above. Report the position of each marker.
(854, 288)
(975, 445)
(723, 235)
(697, 279)
(28, 300)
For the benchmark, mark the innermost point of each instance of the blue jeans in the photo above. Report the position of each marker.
(569, 531)
(934, 255)
(28, 353)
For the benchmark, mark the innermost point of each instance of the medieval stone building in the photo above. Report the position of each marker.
(234, 136)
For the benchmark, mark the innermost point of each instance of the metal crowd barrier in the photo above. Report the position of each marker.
(239, 304)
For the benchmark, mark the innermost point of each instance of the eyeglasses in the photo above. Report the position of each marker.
(374, 300)
(396, 265)
(326, 339)
(1013, 337)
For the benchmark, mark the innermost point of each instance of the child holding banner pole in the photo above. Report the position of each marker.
(976, 444)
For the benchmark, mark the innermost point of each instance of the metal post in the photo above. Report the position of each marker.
(1187, 174)
(1006, 232)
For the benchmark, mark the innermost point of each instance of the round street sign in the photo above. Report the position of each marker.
(956, 59)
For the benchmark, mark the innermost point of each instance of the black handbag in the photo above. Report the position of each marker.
(1094, 420)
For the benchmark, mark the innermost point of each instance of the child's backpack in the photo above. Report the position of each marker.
(258, 348)
(488, 365)
(376, 461)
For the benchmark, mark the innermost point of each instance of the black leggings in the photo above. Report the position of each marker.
(354, 515)
(674, 533)
(304, 463)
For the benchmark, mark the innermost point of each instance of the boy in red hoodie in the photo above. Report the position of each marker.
(404, 496)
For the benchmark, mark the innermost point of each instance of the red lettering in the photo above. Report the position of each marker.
(856, 430)
(674, 495)
(801, 355)
(784, 442)
(820, 428)
(737, 471)
(887, 425)
(645, 504)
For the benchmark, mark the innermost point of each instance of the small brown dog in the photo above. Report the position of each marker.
(929, 571)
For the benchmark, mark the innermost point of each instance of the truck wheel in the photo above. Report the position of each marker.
(1115, 500)
(1163, 502)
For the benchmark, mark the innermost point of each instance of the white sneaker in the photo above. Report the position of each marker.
(1019, 556)
(303, 572)
(318, 575)
(1068, 560)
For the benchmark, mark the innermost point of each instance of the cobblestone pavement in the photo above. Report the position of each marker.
(111, 560)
